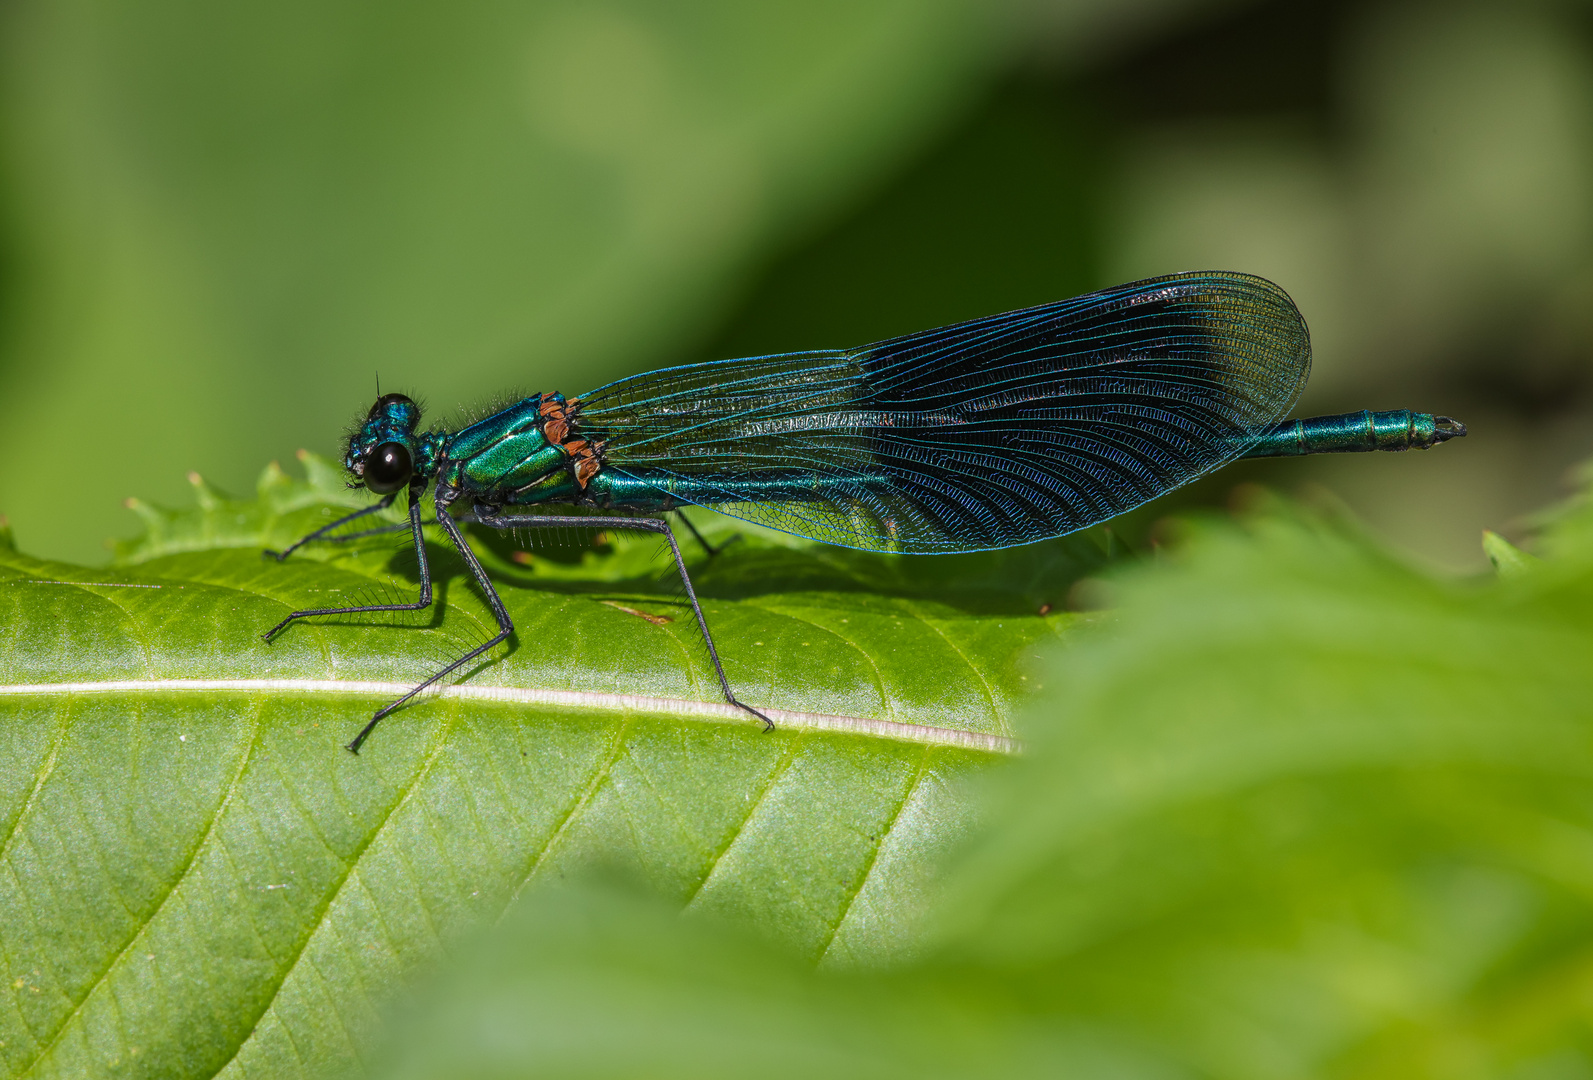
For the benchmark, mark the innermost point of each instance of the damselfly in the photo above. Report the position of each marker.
(1001, 431)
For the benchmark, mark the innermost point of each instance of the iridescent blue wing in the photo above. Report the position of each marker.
(1000, 431)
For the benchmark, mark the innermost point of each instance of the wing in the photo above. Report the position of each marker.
(990, 433)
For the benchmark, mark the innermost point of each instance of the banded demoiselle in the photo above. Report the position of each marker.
(1001, 431)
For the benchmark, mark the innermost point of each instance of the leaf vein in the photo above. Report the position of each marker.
(775, 774)
(351, 865)
(599, 772)
(984, 683)
(873, 857)
(41, 776)
(879, 676)
(187, 867)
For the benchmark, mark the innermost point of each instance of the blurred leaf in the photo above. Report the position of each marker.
(198, 874)
(1306, 812)
(1298, 812)
(597, 982)
(1506, 558)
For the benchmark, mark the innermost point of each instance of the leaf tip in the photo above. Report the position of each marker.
(1507, 559)
(209, 498)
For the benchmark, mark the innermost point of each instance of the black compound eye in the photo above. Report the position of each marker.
(388, 467)
(384, 401)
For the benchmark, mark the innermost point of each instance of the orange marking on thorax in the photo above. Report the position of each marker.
(558, 420)
(555, 420)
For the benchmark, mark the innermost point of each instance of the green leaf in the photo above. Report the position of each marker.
(198, 874)
(1300, 811)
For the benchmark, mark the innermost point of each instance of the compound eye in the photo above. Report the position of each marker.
(388, 467)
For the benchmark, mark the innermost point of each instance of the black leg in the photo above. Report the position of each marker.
(653, 525)
(425, 582)
(499, 612)
(706, 546)
(397, 526)
(386, 501)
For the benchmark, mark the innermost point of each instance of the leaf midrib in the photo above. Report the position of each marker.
(702, 711)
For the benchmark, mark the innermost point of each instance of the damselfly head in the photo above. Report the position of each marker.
(382, 449)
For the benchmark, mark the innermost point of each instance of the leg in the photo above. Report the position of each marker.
(425, 580)
(387, 500)
(381, 530)
(706, 546)
(653, 525)
(505, 626)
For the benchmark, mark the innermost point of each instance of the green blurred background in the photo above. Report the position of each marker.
(219, 223)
